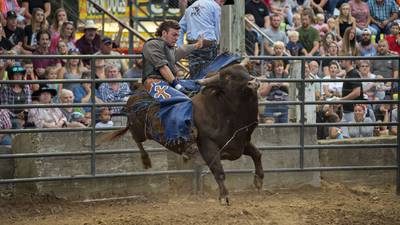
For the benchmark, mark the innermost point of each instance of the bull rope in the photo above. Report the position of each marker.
(231, 139)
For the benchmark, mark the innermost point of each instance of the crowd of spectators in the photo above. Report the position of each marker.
(294, 28)
(29, 28)
(329, 28)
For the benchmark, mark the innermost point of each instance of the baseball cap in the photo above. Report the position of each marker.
(106, 40)
(366, 31)
(11, 14)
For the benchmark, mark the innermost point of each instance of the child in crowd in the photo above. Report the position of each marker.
(393, 38)
(52, 74)
(294, 47)
(279, 49)
(296, 22)
(320, 25)
(105, 118)
(334, 132)
(30, 75)
(331, 27)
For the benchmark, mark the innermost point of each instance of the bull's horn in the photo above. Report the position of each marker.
(209, 80)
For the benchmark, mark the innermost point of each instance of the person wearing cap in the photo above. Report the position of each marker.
(14, 33)
(15, 93)
(89, 43)
(46, 117)
(8, 5)
(201, 21)
(366, 46)
(106, 49)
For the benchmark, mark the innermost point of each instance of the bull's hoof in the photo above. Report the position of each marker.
(224, 201)
(258, 182)
(146, 163)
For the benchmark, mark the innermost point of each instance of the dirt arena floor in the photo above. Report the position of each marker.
(331, 204)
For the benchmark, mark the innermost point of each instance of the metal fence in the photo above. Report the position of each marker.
(198, 172)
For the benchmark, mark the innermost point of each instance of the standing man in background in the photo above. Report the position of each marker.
(202, 19)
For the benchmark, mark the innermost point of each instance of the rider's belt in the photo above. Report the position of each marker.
(206, 43)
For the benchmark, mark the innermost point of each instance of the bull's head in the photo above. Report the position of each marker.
(235, 78)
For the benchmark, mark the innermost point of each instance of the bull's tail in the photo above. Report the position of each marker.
(111, 136)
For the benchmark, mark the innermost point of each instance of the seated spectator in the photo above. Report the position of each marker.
(5, 123)
(382, 14)
(62, 49)
(394, 119)
(387, 68)
(5, 44)
(105, 118)
(251, 44)
(294, 47)
(276, 91)
(278, 50)
(327, 40)
(52, 74)
(75, 120)
(46, 117)
(349, 45)
(331, 22)
(345, 20)
(38, 23)
(260, 12)
(106, 49)
(16, 94)
(393, 38)
(366, 46)
(30, 5)
(372, 90)
(360, 12)
(382, 114)
(40, 65)
(73, 70)
(320, 25)
(60, 16)
(15, 34)
(29, 74)
(83, 92)
(6, 6)
(283, 9)
(136, 71)
(359, 117)
(296, 22)
(274, 33)
(332, 89)
(334, 132)
(314, 68)
(333, 50)
(67, 35)
(115, 91)
(308, 35)
(89, 43)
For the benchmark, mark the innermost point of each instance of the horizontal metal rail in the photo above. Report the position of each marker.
(189, 172)
(163, 150)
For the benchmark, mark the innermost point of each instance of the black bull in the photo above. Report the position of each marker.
(225, 115)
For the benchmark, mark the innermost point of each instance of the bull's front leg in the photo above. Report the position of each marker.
(211, 155)
(255, 154)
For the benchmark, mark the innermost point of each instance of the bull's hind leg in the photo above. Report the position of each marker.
(211, 156)
(144, 156)
(255, 154)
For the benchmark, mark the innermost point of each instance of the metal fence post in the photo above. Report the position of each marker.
(302, 105)
(398, 137)
(93, 117)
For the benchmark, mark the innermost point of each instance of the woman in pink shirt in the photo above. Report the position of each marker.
(67, 34)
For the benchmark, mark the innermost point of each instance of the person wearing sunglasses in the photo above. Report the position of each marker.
(16, 94)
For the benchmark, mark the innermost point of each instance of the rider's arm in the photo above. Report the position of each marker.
(167, 74)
